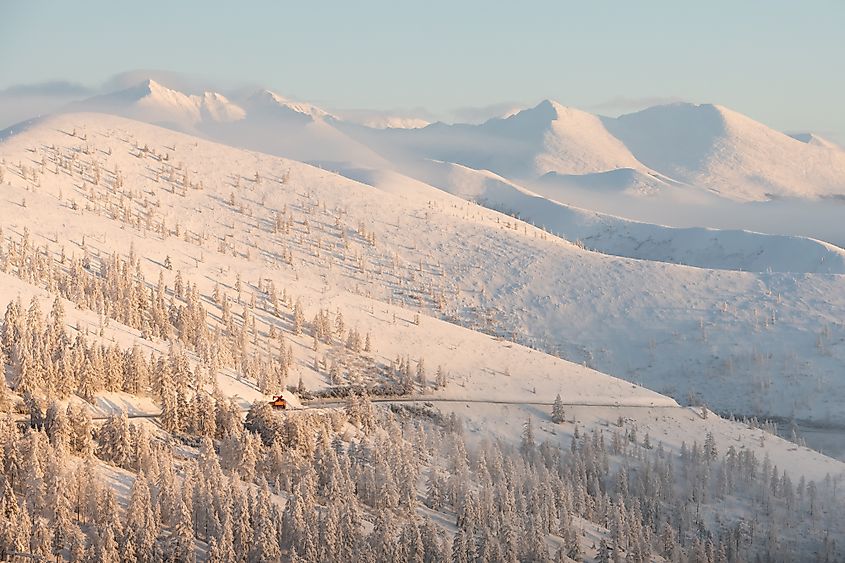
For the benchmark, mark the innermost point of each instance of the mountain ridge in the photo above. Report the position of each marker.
(705, 146)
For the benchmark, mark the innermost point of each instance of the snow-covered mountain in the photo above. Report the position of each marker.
(298, 130)
(569, 148)
(238, 272)
(154, 103)
(266, 104)
(262, 121)
(722, 150)
(546, 138)
(700, 147)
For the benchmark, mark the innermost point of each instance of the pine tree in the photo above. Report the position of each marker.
(527, 444)
(215, 552)
(422, 377)
(115, 441)
(141, 519)
(12, 327)
(339, 326)
(265, 546)
(182, 538)
(440, 378)
(710, 450)
(24, 371)
(4, 389)
(106, 548)
(603, 552)
(298, 318)
(81, 430)
(64, 528)
(558, 413)
(89, 381)
(460, 545)
(41, 540)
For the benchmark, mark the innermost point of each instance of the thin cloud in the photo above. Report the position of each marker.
(624, 103)
(483, 113)
(24, 101)
(184, 82)
(50, 89)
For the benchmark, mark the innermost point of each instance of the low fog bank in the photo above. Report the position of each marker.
(822, 219)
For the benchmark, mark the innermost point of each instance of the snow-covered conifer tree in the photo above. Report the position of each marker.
(558, 412)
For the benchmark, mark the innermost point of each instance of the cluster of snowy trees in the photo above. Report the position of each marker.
(507, 503)
(349, 483)
(104, 187)
(45, 360)
(320, 235)
(113, 287)
(117, 290)
(108, 193)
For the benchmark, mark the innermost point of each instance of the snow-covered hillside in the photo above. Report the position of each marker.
(744, 342)
(700, 247)
(683, 165)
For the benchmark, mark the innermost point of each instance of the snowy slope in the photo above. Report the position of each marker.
(699, 247)
(815, 139)
(297, 130)
(481, 367)
(621, 180)
(751, 343)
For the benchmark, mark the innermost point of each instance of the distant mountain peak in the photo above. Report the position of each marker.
(150, 87)
(268, 99)
(219, 108)
(152, 101)
(549, 110)
(550, 105)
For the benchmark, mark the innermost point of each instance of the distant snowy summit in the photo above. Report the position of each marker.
(155, 103)
(265, 101)
(729, 153)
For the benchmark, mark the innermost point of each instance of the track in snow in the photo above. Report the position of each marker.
(341, 402)
(332, 402)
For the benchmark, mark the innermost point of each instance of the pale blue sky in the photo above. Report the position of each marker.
(782, 62)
